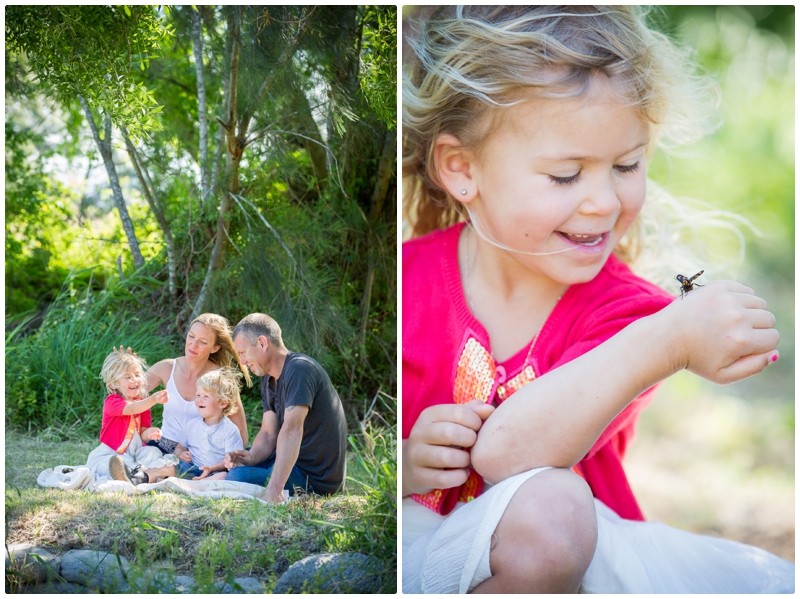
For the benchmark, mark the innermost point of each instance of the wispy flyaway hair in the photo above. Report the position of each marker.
(471, 62)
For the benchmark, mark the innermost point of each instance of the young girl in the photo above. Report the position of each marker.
(203, 441)
(529, 347)
(126, 416)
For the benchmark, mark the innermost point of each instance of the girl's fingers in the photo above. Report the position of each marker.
(463, 414)
(752, 302)
(746, 366)
(763, 341)
(438, 456)
(762, 319)
(442, 479)
(448, 433)
(483, 410)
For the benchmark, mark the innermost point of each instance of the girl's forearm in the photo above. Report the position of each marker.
(555, 420)
(137, 407)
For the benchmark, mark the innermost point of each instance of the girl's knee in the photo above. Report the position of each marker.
(547, 537)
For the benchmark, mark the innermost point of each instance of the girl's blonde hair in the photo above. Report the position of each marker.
(226, 356)
(117, 364)
(225, 383)
(470, 62)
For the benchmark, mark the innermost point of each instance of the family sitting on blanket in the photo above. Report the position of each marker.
(303, 434)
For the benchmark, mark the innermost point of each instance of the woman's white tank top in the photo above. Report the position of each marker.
(177, 411)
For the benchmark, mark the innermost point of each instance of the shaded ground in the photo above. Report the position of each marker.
(210, 540)
(715, 464)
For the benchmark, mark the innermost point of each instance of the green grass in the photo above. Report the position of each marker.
(210, 540)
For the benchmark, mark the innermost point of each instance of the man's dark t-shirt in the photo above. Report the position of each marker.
(303, 382)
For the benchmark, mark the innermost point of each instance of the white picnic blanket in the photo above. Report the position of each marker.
(81, 478)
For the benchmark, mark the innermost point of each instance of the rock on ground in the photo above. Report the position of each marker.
(95, 569)
(249, 585)
(331, 573)
(31, 569)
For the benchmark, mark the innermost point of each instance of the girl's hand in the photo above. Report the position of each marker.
(122, 350)
(436, 453)
(160, 397)
(724, 332)
(185, 456)
(206, 471)
(151, 434)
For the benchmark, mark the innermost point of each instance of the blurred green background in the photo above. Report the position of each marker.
(711, 459)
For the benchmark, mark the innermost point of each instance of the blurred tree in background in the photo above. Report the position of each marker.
(720, 460)
(747, 167)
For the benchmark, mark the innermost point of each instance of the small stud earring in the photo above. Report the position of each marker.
(463, 192)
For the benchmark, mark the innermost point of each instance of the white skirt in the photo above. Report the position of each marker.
(136, 453)
(631, 556)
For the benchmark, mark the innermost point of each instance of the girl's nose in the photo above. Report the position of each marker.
(601, 199)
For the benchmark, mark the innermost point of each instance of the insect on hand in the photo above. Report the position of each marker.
(686, 284)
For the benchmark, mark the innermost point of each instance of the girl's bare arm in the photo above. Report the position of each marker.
(137, 407)
(721, 332)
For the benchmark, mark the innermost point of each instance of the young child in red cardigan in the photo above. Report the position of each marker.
(126, 416)
(529, 347)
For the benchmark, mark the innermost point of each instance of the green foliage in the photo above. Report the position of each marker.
(91, 51)
(379, 58)
(35, 204)
(31, 280)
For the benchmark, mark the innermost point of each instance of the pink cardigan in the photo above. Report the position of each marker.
(447, 355)
(118, 429)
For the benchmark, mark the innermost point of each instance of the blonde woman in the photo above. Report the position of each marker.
(208, 347)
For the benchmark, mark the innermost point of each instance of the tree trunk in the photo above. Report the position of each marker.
(216, 167)
(345, 76)
(236, 133)
(384, 175)
(157, 211)
(197, 39)
(233, 157)
(316, 148)
(106, 152)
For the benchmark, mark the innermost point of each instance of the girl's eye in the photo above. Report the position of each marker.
(565, 180)
(628, 168)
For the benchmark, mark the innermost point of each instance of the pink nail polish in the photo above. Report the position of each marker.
(773, 357)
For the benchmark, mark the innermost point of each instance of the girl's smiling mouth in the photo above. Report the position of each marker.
(584, 240)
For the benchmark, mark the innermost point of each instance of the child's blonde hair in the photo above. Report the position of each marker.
(470, 62)
(225, 383)
(118, 364)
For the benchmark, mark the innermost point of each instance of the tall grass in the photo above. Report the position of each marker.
(375, 532)
(52, 374)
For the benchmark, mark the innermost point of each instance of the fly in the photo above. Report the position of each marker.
(686, 284)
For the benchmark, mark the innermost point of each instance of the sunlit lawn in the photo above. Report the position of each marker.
(709, 462)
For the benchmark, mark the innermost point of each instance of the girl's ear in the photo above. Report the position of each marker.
(455, 166)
